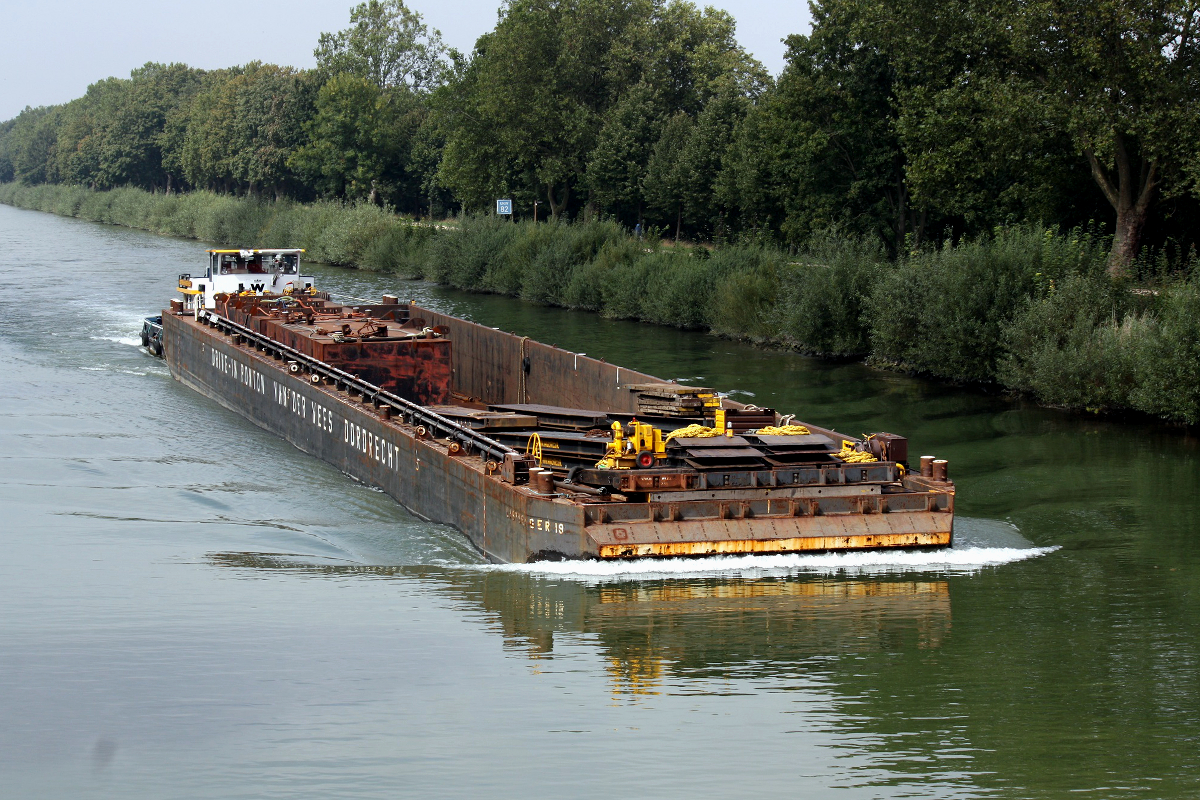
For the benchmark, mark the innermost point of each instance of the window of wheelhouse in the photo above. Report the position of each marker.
(287, 263)
(229, 264)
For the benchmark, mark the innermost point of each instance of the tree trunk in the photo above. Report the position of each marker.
(1128, 237)
(557, 204)
(1130, 196)
(678, 222)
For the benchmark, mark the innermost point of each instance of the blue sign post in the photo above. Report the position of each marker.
(504, 207)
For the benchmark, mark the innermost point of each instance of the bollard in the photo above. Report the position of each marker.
(541, 480)
(535, 474)
(941, 470)
(926, 466)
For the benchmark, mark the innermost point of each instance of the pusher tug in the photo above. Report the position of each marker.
(533, 452)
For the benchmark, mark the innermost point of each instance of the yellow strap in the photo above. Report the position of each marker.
(851, 456)
(786, 430)
(693, 432)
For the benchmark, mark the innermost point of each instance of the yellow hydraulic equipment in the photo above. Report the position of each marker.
(639, 446)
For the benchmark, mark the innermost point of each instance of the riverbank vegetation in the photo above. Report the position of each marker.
(1024, 308)
(978, 190)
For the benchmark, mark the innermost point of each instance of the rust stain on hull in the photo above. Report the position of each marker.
(793, 545)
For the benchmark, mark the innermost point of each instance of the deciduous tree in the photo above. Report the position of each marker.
(387, 44)
(1113, 79)
(358, 141)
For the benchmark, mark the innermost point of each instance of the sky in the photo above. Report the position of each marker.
(53, 49)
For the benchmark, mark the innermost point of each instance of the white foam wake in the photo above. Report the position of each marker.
(872, 562)
(126, 340)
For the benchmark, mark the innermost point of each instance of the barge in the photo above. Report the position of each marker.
(531, 451)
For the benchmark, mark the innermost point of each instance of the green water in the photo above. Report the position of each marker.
(195, 609)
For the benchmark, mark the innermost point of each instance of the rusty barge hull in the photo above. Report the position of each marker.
(444, 480)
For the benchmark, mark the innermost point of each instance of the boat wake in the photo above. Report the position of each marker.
(119, 326)
(981, 544)
(131, 341)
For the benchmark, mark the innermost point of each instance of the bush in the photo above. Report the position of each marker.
(745, 288)
(1073, 346)
(1167, 357)
(587, 286)
(943, 312)
(822, 306)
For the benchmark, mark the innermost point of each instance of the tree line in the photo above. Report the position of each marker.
(907, 123)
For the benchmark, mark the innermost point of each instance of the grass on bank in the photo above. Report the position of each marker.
(1025, 308)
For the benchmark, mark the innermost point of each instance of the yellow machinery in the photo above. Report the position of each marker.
(637, 447)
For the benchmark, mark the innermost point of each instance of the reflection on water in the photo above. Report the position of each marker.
(651, 633)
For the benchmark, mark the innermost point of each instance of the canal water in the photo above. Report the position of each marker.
(194, 609)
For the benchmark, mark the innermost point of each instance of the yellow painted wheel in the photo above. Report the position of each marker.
(533, 448)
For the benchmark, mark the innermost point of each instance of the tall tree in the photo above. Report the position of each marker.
(535, 90)
(32, 142)
(133, 145)
(81, 136)
(1113, 79)
(706, 147)
(1121, 75)
(693, 55)
(377, 76)
(272, 106)
(821, 150)
(7, 173)
(668, 178)
(387, 44)
(616, 170)
(527, 115)
(358, 141)
(210, 145)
